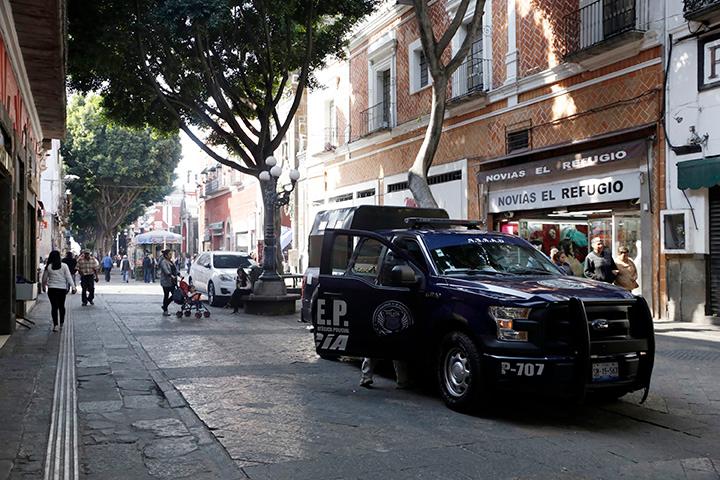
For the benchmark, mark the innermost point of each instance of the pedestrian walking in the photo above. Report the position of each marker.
(71, 262)
(599, 264)
(107, 265)
(125, 268)
(153, 268)
(147, 268)
(627, 271)
(87, 267)
(57, 281)
(168, 279)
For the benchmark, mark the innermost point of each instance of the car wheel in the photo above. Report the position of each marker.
(212, 298)
(459, 373)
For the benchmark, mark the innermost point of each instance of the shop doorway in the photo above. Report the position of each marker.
(571, 233)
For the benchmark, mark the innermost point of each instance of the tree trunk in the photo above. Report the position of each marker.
(269, 283)
(417, 175)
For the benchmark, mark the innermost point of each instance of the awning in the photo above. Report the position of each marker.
(700, 173)
(157, 237)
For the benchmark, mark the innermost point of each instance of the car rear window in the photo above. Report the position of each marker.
(230, 261)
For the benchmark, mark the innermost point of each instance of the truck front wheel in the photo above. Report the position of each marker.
(459, 372)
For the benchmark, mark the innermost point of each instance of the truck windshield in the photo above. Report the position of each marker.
(476, 255)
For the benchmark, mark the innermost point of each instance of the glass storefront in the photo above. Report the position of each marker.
(571, 232)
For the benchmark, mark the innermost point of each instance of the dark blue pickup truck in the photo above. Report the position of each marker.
(487, 310)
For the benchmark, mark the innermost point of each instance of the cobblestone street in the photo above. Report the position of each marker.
(239, 396)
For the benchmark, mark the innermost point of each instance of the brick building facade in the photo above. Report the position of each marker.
(551, 130)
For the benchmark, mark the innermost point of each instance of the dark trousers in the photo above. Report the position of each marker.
(147, 275)
(236, 299)
(57, 304)
(87, 283)
(107, 274)
(167, 297)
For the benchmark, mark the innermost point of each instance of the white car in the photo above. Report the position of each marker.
(214, 273)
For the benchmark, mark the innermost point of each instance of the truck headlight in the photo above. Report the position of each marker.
(226, 278)
(504, 317)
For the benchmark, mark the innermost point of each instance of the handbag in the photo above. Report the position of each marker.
(178, 297)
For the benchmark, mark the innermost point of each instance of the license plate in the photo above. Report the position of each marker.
(605, 372)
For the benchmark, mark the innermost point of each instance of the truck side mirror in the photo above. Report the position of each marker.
(403, 275)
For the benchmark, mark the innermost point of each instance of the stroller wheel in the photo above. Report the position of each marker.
(206, 313)
(178, 314)
(198, 315)
(188, 313)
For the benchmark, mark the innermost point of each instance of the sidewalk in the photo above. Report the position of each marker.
(131, 422)
(692, 331)
(27, 375)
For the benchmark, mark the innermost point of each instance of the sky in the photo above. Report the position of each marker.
(193, 159)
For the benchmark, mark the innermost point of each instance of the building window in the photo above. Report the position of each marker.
(385, 99)
(471, 75)
(419, 74)
(341, 198)
(366, 193)
(331, 140)
(423, 70)
(432, 180)
(380, 113)
(518, 137)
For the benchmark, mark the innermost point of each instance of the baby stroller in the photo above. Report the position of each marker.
(189, 299)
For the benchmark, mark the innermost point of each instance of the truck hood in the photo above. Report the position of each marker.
(542, 287)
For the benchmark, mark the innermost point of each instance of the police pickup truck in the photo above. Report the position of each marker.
(487, 310)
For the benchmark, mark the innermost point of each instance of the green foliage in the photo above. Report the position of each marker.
(120, 169)
(218, 65)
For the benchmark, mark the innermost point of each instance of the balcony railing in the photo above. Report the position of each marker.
(377, 117)
(604, 22)
(699, 9)
(214, 186)
(471, 77)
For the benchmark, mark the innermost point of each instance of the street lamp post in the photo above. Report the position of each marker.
(270, 283)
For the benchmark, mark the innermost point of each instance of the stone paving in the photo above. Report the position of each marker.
(27, 376)
(282, 413)
(239, 396)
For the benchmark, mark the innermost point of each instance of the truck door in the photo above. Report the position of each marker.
(369, 300)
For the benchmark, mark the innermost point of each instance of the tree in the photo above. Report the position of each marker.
(220, 66)
(441, 72)
(121, 169)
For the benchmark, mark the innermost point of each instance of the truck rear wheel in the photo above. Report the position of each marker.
(459, 373)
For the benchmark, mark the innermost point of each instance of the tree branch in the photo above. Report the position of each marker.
(453, 27)
(302, 83)
(173, 110)
(473, 29)
(427, 37)
(215, 155)
(210, 78)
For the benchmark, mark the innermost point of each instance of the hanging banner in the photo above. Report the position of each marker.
(610, 188)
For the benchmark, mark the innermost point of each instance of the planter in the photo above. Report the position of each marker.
(26, 291)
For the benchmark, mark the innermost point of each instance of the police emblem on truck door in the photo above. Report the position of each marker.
(391, 317)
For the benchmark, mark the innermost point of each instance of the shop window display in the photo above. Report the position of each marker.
(569, 238)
